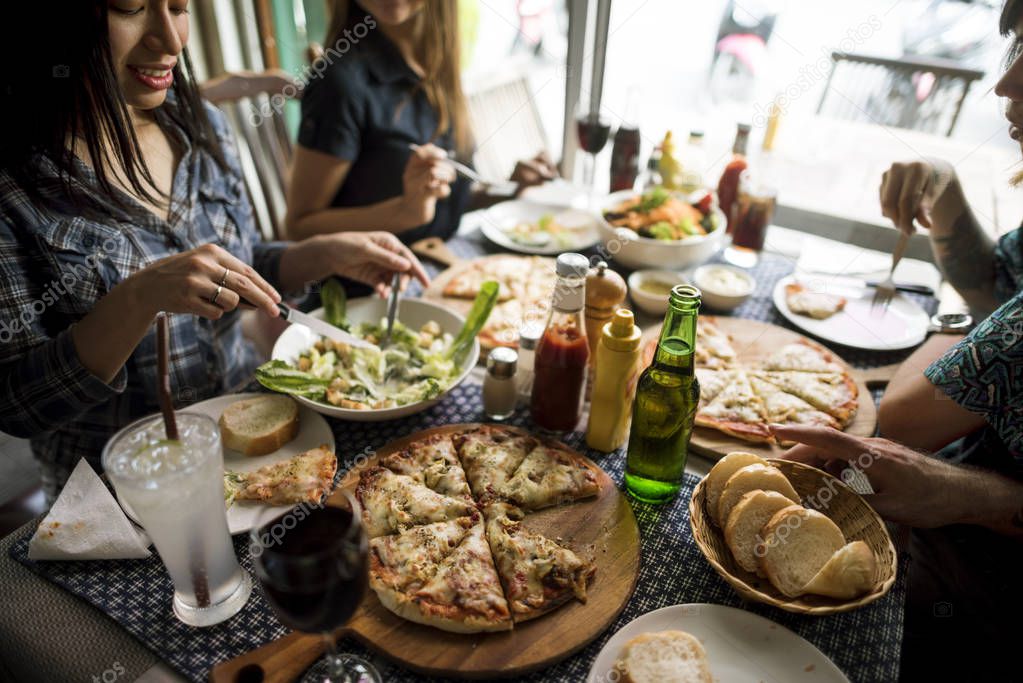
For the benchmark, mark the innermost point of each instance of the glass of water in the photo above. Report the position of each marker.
(176, 490)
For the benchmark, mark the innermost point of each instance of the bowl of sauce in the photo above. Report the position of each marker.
(650, 289)
(723, 287)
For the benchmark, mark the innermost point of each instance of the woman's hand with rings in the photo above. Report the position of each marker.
(207, 281)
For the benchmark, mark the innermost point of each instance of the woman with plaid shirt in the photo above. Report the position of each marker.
(121, 197)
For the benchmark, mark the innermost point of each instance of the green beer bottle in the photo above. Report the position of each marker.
(665, 405)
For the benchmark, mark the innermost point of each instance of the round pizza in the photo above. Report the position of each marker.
(448, 547)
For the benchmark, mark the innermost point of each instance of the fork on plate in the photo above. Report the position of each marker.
(885, 290)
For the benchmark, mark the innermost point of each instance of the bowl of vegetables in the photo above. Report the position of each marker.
(432, 349)
(662, 229)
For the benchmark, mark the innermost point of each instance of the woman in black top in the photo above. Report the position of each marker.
(389, 78)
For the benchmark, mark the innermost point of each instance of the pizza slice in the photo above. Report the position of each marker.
(712, 383)
(469, 278)
(538, 574)
(502, 327)
(540, 281)
(804, 356)
(433, 463)
(550, 475)
(713, 347)
(491, 456)
(834, 393)
(818, 305)
(465, 594)
(785, 408)
(394, 502)
(409, 559)
(305, 478)
(737, 411)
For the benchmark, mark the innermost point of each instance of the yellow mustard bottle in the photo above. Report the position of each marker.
(614, 386)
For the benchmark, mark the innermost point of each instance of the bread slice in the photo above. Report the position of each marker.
(745, 522)
(751, 478)
(260, 425)
(719, 474)
(664, 657)
(850, 572)
(797, 543)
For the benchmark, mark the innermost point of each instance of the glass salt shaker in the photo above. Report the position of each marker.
(529, 337)
(500, 393)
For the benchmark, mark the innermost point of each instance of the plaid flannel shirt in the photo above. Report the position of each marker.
(54, 266)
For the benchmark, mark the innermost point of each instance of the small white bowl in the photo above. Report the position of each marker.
(718, 298)
(653, 304)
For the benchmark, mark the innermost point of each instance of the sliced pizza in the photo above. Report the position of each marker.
(305, 478)
(432, 462)
(394, 502)
(804, 356)
(712, 383)
(465, 594)
(537, 573)
(713, 346)
(502, 326)
(737, 411)
(785, 408)
(818, 305)
(491, 456)
(467, 280)
(834, 393)
(408, 560)
(550, 475)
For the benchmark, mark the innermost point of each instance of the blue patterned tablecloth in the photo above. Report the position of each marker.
(864, 643)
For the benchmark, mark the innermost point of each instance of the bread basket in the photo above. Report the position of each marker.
(826, 494)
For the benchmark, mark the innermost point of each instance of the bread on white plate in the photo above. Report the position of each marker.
(797, 543)
(664, 657)
(719, 474)
(751, 478)
(259, 425)
(849, 573)
(745, 522)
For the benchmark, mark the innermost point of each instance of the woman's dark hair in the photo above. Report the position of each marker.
(57, 80)
(1012, 10)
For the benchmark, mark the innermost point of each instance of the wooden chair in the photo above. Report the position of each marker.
(889, 91)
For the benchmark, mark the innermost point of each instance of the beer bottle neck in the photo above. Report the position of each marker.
(678, 336)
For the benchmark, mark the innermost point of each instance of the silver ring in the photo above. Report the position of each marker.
(223, 280)
(216, 294)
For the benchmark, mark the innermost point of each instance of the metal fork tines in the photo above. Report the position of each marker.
(885, 290)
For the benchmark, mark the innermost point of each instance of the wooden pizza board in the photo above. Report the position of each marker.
(603, 528)
(754, 341)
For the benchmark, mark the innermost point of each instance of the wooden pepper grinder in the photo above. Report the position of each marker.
(605, 293)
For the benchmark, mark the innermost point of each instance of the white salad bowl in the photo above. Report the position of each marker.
(413, 313)
(632, 251)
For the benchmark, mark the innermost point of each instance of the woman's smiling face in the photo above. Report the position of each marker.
(146, 38)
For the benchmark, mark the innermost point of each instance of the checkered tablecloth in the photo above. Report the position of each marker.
(136, 594)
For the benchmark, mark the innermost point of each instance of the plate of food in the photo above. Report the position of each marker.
(268, 440)
(662, 229)
(432, 350)
(843, 314)
(700, 643)
(531, 228)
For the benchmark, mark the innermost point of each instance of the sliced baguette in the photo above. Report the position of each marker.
(260, 425)
(719, 474)
(748, 517)
(664, 657)
(797, 543)
(850, 572)
(751, 478)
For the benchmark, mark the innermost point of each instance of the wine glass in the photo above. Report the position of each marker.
(313, 564)
(593, 131)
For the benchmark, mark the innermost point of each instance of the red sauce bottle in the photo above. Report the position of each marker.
(728, 186)
(562, 356)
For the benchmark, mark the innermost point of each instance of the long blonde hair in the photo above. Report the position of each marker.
(438, 51)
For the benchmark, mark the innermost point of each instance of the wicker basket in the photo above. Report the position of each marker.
(826, 494)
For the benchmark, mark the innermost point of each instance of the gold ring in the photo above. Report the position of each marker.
(216, 294)
(223, 280)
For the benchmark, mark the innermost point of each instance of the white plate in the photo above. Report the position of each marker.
(242, 516)
(903, 325)
(501, 217)
(741, 646)
(413, 312)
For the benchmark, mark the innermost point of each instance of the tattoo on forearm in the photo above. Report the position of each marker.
(966, 255)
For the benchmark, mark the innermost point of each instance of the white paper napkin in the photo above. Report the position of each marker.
(86, 523)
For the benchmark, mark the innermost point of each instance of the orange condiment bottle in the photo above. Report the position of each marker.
(728, 186)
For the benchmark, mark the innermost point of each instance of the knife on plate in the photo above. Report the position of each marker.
(322, 327)
(860, 283)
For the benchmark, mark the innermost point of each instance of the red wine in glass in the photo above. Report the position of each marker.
(593, 131)
(314, 569)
